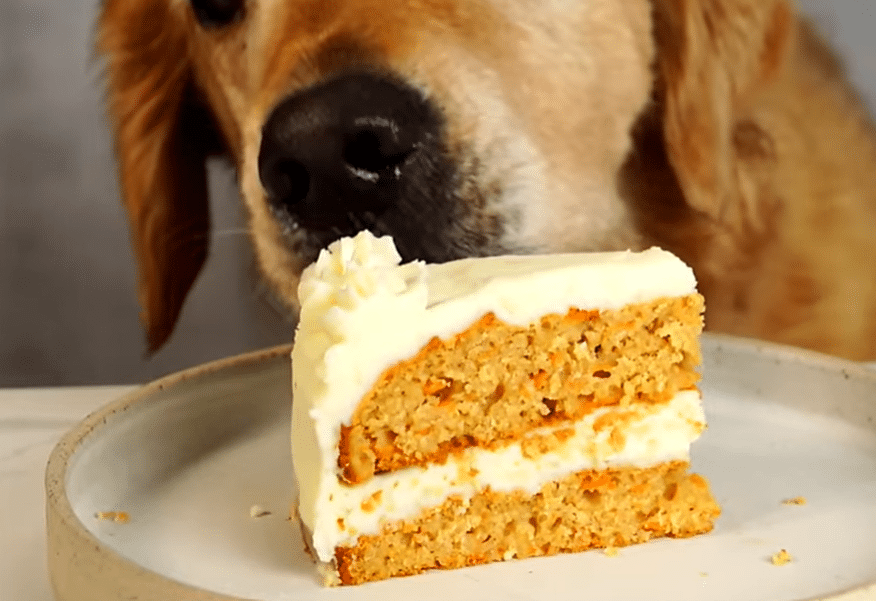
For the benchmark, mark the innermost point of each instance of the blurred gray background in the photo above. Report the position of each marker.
(68, 307)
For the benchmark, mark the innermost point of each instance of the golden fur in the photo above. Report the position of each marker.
(722, 130)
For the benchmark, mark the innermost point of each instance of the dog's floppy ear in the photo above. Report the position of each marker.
(161, 143)
(712, 56)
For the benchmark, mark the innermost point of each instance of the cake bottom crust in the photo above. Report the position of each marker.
(586, 510)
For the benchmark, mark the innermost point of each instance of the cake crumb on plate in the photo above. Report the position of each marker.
(795, 501)
(257, 511)
(781, 558)
(120, 517)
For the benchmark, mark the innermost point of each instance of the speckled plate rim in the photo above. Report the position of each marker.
(82, 568)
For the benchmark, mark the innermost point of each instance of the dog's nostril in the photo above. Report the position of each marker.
(363, 152)
(345, 150)
(374, 150)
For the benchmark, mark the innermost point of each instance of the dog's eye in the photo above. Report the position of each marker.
(215, 13)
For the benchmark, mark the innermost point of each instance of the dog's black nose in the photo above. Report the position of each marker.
(341, 150)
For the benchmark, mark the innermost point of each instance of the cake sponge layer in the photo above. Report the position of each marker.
(492, 383)
(641, 436)
(585, 510)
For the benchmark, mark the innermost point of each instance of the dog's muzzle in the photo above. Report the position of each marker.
(338, 155)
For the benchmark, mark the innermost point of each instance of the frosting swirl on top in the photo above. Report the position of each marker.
(353, 269)
(354, 277)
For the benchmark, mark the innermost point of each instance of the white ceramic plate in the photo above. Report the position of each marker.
(189, 456)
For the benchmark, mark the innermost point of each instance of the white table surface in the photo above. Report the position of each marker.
(31, 422)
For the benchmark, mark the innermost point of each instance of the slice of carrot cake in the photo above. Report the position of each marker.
(494, 408)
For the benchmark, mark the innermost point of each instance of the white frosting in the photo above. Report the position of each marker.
(361, 312)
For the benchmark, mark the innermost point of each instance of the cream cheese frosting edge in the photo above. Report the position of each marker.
(359, 302)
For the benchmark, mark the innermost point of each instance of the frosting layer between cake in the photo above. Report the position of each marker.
(362, 312)
(643, 436)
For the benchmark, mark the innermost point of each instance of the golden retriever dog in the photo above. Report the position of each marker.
(722, 130)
